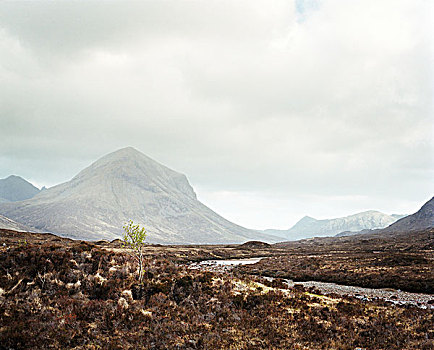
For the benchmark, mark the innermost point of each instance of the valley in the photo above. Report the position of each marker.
(66, 293)
(364, 281)
(216, 175)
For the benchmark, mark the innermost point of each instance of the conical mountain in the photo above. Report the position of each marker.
(15, 188)
(125, 185)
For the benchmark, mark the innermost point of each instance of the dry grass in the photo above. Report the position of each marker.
(75, 295)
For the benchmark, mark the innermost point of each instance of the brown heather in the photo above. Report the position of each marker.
(64, 294)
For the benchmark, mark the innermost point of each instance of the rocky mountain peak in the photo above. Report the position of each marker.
(128, 165)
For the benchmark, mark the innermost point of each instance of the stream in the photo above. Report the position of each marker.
(396, 297)
(221, 265)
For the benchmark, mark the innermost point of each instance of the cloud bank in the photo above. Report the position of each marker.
(273, 110)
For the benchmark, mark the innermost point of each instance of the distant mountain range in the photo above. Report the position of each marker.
(421, 220)
(415, 229)
(15, 188)
(309, 227)
(125, 185)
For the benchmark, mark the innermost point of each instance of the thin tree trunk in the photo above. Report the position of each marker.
(140, 265)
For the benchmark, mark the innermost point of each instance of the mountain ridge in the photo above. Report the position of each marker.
(309, 227)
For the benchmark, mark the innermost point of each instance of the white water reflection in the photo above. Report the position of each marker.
(224, 264)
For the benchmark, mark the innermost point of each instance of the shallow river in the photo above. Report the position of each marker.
(395, 296)
(223, 264)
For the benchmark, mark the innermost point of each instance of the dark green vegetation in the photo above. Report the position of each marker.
(63, 294)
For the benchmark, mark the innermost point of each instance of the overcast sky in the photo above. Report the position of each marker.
(273, 109)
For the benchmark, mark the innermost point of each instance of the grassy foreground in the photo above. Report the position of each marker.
(62, 294)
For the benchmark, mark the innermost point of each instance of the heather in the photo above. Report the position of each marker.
(76, 295)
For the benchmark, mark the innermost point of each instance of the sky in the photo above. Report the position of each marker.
(273, 109)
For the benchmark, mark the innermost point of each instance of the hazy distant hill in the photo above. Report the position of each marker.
(309, 227)
(367, 230)
(127, 185)
(15, 188)
(353, 233)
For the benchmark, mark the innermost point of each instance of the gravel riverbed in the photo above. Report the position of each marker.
(396, 297)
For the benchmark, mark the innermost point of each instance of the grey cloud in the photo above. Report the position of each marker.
(241, 96)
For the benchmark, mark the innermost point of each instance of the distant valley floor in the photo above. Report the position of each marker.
(398, 261)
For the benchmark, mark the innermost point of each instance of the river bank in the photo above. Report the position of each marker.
(396, 297)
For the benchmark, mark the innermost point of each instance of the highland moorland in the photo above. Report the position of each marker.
(67, 294)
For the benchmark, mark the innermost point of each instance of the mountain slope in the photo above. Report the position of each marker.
(8, 224)
(15, 188)
(309, 227)
(421, 220)
(125, 185)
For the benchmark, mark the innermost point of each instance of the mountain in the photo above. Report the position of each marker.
(125, 185)
(8, 224)
(367, 230)
(15, 188)
(353, 233)
(309, 227)
(398, 216)
(421, 220)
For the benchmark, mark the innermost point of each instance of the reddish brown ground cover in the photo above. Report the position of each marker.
(395, 261)
(64, 294)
